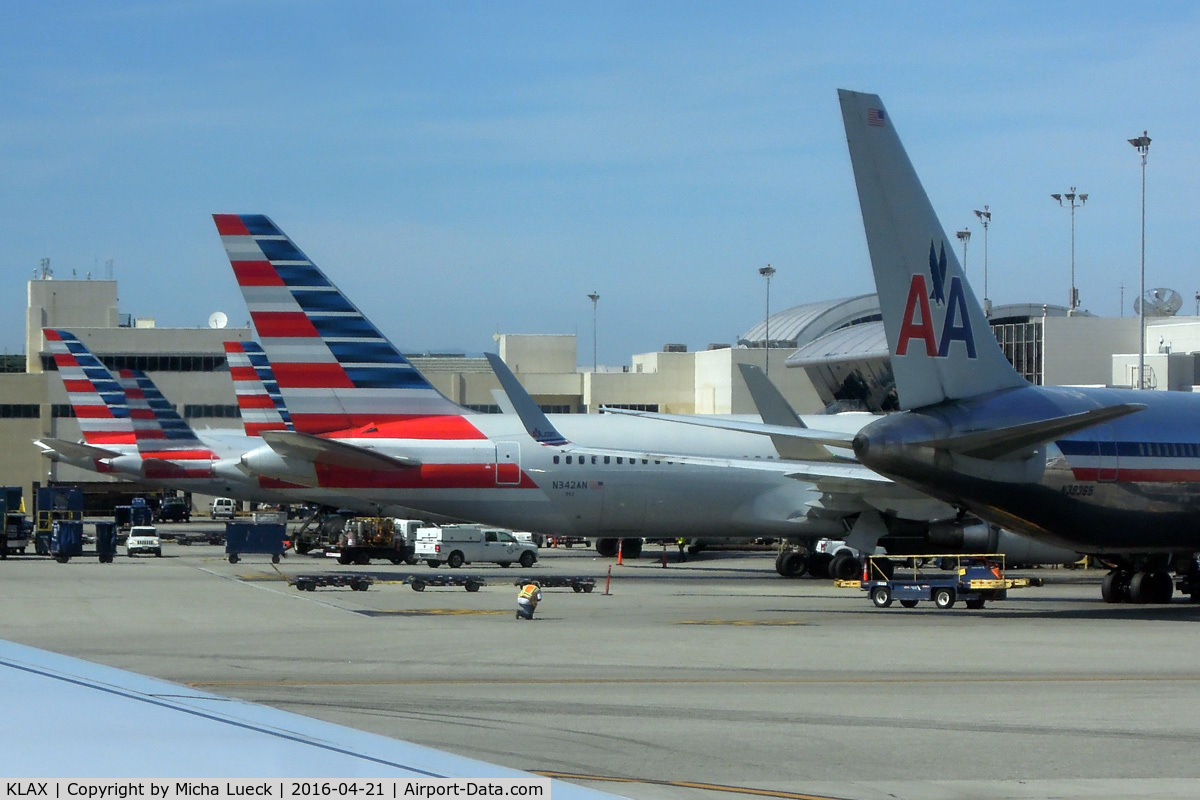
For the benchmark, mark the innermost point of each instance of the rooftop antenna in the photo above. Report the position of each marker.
(218, 319)
(47, 273)
(108, 270)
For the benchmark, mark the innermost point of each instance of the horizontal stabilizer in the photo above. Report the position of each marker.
(854, 477)
(73, 451)
(1021, 439)
(314, 449)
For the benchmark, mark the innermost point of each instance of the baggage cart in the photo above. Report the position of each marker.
(576, 584)
(106, 541)
(66, 540)
(471, 583)
(242, 538)
(310, 583)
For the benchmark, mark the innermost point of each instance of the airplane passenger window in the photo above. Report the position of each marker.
(593, 459)
(606, 459)
(556, 459)
(568, 459)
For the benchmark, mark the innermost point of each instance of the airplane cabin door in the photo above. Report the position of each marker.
(508, 463)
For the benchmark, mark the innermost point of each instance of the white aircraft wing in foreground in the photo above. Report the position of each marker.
(80, 720)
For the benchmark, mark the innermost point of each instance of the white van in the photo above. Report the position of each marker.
(223, 507)
(464, 544)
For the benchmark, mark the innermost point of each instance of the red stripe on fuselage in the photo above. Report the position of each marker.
(1134, 475)
(161, 471)
(181, 455)
(256, 428)
(103, 437)
(426, 476)
(387, 426)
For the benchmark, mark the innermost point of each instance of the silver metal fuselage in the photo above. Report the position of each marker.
(1127, 486)
(617, 487)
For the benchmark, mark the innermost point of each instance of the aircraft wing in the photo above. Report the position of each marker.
(183, 733)
(73, 451)
(314, 449)
(842, 439)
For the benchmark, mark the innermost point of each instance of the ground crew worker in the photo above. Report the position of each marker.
(682, 545)
(527, 600)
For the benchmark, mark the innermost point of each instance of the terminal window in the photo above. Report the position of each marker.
(213, 411)
(154, 363)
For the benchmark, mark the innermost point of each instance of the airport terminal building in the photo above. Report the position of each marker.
(826, 354)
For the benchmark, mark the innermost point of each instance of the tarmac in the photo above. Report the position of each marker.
(704, 679)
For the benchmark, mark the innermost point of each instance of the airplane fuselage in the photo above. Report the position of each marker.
(504, 478)
(1131, 485)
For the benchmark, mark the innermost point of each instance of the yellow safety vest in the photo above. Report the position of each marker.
(531, 592)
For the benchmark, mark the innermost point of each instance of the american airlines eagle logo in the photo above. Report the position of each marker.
(918, 322)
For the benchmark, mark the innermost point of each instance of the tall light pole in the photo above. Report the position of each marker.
(1142, 143)
(985, 218)
(767, 272)
(1071, 197)
(964, 236)
(595, 298)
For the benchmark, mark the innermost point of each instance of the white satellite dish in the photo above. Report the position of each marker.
(218, 320)
(1159, 303)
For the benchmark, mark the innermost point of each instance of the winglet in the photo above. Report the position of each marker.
(536, 423)
(942, 345)
(774, 409)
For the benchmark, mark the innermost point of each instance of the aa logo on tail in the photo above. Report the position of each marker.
(918, 322)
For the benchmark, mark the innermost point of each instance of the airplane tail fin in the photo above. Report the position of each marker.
(257, 391)
(942, 346)
(334, 368)
(95, 396)
(157, 426)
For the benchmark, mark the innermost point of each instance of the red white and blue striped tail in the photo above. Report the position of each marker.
(335, 370)
(95, 396)
(157, 426)
(258, 395)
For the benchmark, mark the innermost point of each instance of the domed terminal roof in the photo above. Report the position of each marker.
(802, 324)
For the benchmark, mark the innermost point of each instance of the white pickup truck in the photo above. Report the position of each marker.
(464, 544)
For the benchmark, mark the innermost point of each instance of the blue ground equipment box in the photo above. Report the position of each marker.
(249, 537)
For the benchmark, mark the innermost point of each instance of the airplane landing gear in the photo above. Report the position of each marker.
(1142, 587)
(791, 563)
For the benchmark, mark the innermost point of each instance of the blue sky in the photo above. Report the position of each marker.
(462, 169)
